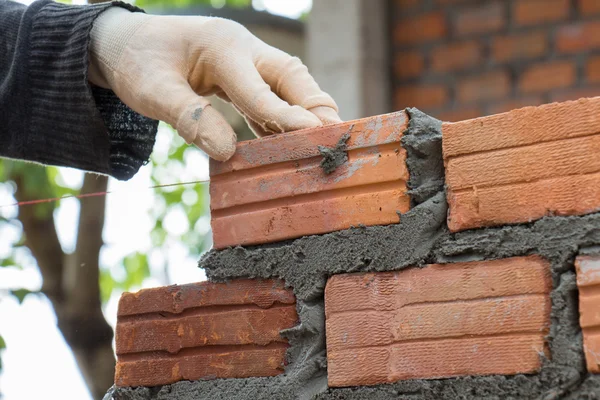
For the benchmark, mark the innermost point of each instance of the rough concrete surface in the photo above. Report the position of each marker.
(421, 237)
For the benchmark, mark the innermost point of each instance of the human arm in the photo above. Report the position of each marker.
(48, 111)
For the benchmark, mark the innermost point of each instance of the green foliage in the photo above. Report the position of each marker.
(45, 182)
(2, 347)
(20, 294)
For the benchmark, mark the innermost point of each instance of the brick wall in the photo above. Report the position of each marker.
(461, 59)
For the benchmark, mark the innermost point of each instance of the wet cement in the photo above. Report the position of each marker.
(336, 156)
(420, 238)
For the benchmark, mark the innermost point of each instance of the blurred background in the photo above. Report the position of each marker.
(63, 265)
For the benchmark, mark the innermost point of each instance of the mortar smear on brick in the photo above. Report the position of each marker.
(275, 188)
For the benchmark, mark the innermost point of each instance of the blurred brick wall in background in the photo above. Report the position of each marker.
(461, 59)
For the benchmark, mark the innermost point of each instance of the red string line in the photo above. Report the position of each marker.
(95, 194)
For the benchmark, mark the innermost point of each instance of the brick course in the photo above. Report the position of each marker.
(490, 54)
(523, 165)
(202, 331)
(440, 321)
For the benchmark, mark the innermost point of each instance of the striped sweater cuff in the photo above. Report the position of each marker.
(71, 124)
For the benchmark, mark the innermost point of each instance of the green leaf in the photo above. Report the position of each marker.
(107, 285)
(2, 347)
(137, 268)
(20, 294)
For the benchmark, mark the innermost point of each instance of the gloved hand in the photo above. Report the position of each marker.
(161, 66)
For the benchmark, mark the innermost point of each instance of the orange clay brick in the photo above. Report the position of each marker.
(588, 280)
(592, 69)
(274, 188)
(456, 56)
(547, 76)
(440, 321)
(480, 18)
(421, 96)
(531, 12)
(423, 28)
(521, 46)
(201, 331)
(578, 37)
(408, 64)
(522, 165)
(487, 86)
(589, 7)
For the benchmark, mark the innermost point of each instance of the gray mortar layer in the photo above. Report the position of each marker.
(421, 237)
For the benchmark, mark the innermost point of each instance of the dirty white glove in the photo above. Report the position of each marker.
(161, 66)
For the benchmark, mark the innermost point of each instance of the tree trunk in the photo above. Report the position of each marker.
(71, 281)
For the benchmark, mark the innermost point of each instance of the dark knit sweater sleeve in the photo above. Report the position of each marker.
(49, 113)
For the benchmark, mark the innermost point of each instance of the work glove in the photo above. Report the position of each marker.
(162, 66)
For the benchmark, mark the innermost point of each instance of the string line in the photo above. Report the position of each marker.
(94, 194)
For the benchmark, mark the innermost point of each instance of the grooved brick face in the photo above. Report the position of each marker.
(522, 165)
(588, 281)
(440, 321)
(274, 188)
(203, 331)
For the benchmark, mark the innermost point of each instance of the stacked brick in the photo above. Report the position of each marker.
(203, 330)
(524, 165)
(457, 319)
(462, 59)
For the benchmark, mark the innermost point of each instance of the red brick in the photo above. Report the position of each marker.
(424, 28)
(274, 188)
(191, 332)
(588, 281)
(440, 321)
(489, 86)
(497, 166)
(514, 104)
(589, 7)
(484, 18)
(578, 37)
(548, 76)
(522, 46)
(408, 64)
(592, 69)
(455, 56)
(421, 96)
(575, 94)
(459, 114)
(531, 12)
